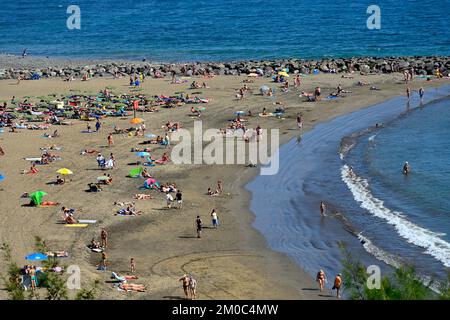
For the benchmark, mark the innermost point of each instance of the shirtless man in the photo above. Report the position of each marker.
(186, 288)
(2, 153)
(104, 238)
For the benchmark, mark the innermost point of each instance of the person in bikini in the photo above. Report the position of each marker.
(320, 278)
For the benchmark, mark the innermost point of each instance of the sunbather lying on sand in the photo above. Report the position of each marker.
(141, 196)
(122, 204)
(132, 287)
(164, 159)
(129, 211)
(57, 254)
(88, 151)
(123, 278)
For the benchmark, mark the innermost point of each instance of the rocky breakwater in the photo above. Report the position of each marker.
(12, 67)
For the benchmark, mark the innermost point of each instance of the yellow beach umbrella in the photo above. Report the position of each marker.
(136, 120)
(64, 171)
(283, 73)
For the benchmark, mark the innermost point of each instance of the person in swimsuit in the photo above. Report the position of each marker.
(192, 287)
(421, 92)
(186, 288)
(104, 238)
(132, 265)
(408, 93)
(322, 209)
(33, 277)
(321, 279)
(337, 285)
(406, 168)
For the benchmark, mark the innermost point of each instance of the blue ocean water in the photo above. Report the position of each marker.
(381, 216)
(182, 30)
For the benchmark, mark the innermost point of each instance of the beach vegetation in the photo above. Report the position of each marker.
(12, 279)
(88, 293)
(402, 284)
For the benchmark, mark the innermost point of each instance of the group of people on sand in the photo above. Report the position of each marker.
(322, 279)
(189, 286)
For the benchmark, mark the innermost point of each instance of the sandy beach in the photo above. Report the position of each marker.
(232, 262)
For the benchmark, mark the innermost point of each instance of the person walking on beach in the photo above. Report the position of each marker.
(219, 186)
(97, 126)
(300, 122)
(320, 278)
(110, 140)
(337, 285)
(103, 261)
(104, 238)
(199, 224)
(179, 198)
(185, 279)
(214, 218)
(408, 93)
(193, 287)
(323, 208)
(169, 200)
(132, 266)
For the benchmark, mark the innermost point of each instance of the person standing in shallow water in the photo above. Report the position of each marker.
(408, 93)
(406, 168)
(323, 208)
(421, 92)
(321, 279)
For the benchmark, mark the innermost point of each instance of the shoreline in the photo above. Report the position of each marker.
(248, 262)
(297, 221)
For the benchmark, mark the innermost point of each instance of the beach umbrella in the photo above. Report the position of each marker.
(142, 154)
(150, 135)
(36, 256)
(283, 73)
(136, 120)
(64, 171)
(264, 88)
(37, 196)
(2, 177)
(135, 172)
(102, 178)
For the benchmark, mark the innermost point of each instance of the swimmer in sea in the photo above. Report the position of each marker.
(406, 168)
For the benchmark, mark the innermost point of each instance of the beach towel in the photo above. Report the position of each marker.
(76, 225)
(87, 221)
